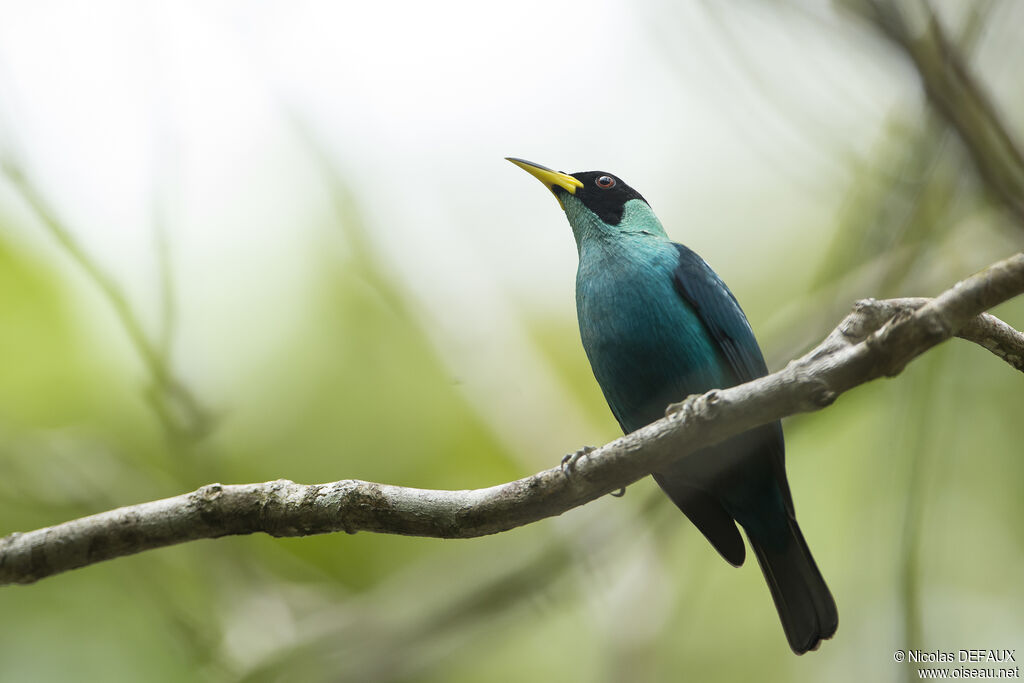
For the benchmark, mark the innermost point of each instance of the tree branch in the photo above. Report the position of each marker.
(877, 339)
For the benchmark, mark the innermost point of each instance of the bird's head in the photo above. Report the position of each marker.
(597, 203)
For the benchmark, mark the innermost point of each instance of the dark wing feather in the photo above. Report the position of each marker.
(721, 313)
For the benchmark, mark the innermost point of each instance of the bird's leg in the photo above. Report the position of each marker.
(570, 459)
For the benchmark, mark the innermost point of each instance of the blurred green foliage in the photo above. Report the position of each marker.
(908, 490)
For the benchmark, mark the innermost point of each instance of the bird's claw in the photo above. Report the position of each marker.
(570, 459)
(569, 464)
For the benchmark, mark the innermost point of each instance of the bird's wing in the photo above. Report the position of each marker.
(721, 314)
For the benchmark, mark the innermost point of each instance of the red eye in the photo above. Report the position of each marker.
(605, 182)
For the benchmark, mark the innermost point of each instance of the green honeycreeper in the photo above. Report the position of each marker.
(658, 325)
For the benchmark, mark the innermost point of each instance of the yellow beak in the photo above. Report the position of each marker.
(548, 177)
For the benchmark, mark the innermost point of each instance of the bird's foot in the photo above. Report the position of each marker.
(570, 459)
(569, 464)
(685, 406)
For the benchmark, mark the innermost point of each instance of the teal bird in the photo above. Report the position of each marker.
(658, 325)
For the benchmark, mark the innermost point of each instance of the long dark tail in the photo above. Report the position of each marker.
(805, 605)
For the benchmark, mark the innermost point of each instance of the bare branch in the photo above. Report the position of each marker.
(877, 339)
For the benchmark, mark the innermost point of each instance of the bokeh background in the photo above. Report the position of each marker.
(246, 241)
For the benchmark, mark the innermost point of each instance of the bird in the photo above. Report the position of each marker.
(658, 324)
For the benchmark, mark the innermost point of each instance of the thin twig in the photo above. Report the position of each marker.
(957, 96)
(179, 411)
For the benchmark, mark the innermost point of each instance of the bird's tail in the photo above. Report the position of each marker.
(805, 605)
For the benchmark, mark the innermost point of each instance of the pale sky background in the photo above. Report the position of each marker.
(741, 124)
